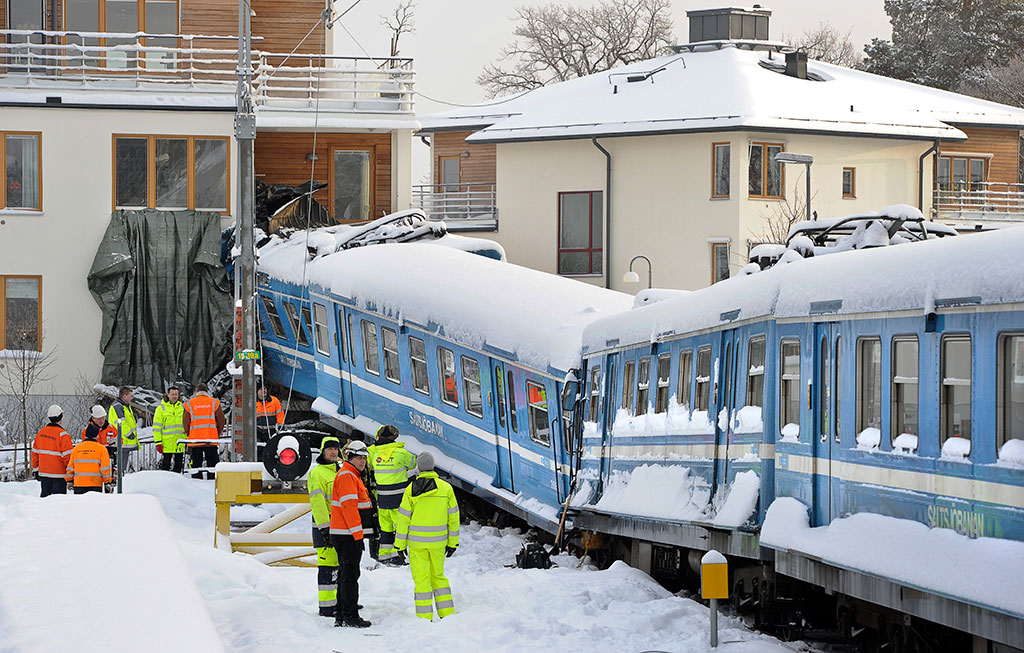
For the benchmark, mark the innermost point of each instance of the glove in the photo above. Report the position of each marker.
(160, 448)
(449, 551)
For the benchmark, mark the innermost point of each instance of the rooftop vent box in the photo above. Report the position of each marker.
(729, 24)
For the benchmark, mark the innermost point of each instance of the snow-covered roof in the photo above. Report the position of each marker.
(730, 88)
(533, 317)
(979, 269)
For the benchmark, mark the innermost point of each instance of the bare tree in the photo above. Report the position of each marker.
(554, 43)
(400, 21)
(782, 217)
(826, 43)
(21, 372)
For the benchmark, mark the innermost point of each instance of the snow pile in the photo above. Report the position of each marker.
(1012, 453)
(956, 449)
(905, 443)
(741, 500)
(869, 439)
(790, 433)
(677, 421)
(987, 571)
(662, 491)
(748, 420)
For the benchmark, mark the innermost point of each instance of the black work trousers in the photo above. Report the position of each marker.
(172, 462)
(205, 456)
(48, 486)
(89, 488)
(350, 551)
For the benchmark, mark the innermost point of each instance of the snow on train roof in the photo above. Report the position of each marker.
(533, 317)
(977, 269)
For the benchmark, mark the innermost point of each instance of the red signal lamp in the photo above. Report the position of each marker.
(288, 457)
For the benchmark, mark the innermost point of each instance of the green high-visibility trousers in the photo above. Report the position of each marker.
(386, 521)
(327, 579)
(432, 588)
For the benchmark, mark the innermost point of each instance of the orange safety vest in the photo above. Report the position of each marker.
(202, 425)
(348, 497)
(268, 412)
(51, 451)
(89, 466)
(107, 436)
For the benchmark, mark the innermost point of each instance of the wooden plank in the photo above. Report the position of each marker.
(1002, 144)
(480, 167)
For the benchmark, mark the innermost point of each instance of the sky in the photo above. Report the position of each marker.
(455, 39)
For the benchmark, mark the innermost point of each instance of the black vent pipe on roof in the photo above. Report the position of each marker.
(796, 64)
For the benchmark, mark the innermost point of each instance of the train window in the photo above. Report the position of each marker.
(500, 385)
(823, 391)
(341, 334)
(643, 382)
(293, 320)
(755, 372)
(905, 405)
(351, 339)
(392, 368)
(955, 402)
(702, 400)
(627, 386)
(661, 399)
(513, 416)
(446, 367)
(471, 386)
(839, 395)
(789, 386)
(371, 357)
(323, 334)
(540, 431)
(1011, 390)
(418, 360)
(685, 375)
(308, 321)
(869, 384)
(275, 319)
(595, 392)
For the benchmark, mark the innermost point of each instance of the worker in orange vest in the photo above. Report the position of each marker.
(204, 422)
(89, 467)
(107, 432)
(51, 452)
(351, 520)
(269, 416)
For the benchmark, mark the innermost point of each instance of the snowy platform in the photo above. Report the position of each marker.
(96, 573)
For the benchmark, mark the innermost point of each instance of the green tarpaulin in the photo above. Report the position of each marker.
(165, 297)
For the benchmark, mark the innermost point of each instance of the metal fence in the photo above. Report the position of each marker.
(987, 200)
(466, 206)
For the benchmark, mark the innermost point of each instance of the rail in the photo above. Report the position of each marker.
(199, 64)
(470, 206)
(999, 201)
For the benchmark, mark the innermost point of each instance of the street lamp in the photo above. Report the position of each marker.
(807, 160)
(633, 277)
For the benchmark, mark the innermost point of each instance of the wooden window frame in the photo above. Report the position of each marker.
(951, 156)
(3, 169)
(190, 157)
(714, 263)
(714, 160)
(591, 250)
(3, 308)
(372, 151)
(852, 195)
(764, 145)
(101, 21)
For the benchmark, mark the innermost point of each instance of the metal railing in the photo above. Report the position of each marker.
(980, 200)
(188, 63)
(461, 206)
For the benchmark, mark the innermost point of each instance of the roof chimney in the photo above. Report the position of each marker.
(729, 24)
(796, 64)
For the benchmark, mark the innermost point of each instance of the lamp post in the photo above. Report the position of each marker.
(633, 277)
(807, 160)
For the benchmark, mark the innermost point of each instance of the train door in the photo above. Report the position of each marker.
(344, 361)
(503, 419)
(724, 402)
(608, 417)
(823, 401)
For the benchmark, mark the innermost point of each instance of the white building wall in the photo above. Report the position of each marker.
(401, 169)
(59, 244)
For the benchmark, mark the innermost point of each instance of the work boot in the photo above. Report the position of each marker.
(352, 621)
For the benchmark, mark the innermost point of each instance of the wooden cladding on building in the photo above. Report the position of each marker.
(1002, 144)
(280, 158)
(479, 167)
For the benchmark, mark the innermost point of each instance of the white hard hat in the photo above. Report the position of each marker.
(355, 448)
(98, 411)
(54, 411)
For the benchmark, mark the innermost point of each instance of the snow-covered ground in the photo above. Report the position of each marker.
(258, 608)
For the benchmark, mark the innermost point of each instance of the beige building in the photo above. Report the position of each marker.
(674, 158)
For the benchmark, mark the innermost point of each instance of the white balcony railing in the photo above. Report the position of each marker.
(461, 206)
(996, 201)
(196, 64)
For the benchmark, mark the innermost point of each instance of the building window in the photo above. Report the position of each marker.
(446, 367)
(962, 172)
(869, 384)
(955, 402)
(661, 398)
(351, 189)
(171, 173)
(755, 372)
(643, 383)
(418, 359)
(789, 386)
(720, 170)
(849, 183)
(905, 408)
(719, 262)
(540, 430)
(580, 224)
(392, 369)
(127, 17)
(371, 357)
(21, 313)
(471, 386)
(703, 398)
(765, 174)
(627, 386)
(296, 324)
(685, 375)
(1011, 390)
(22, 174)
(595, 392)
(275, 319)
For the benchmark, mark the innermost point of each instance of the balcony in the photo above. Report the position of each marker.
(987, 201)
(464, 207)
(192, 66)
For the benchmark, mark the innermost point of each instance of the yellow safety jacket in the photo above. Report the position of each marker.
(429, 515)
(168, 430)
(122, 412)
(320, 484)
(391, 464)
